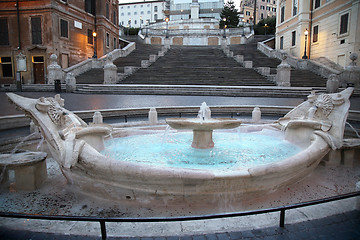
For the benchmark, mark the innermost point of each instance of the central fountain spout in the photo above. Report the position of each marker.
(203, 126)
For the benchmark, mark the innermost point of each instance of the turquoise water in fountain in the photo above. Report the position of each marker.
(232, 150)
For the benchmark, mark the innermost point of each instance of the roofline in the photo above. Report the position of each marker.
(154, 1)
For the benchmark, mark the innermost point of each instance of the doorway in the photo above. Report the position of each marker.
(38, 68)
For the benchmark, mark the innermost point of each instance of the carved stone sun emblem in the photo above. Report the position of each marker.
(325, 104)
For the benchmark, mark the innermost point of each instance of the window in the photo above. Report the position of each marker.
(115, 43)
(148, 12)
(141, 5)
(293, 38)
(122, 14)
(90, 6)
(344, 22)
(315, 33)
(247, 13)
(4, 32)
(107, 11)
(135, 13)
(6, 66)
(295, 7)
(281, 42)
(135, 22)
(36, 30)
(129, 13)
(317, 3)
(155, 9)
(155, 17)
(142, 12)
(64, 28)
(114, 18)
(282, 14)
(107, 39)
(262, 7)
(262, 16)
(90, 36)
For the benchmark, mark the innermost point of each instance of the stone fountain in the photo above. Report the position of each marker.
(317, 126)
(203, 126)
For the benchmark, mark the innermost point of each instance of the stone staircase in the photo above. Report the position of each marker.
(142, 52)
(197, 65)
(298, 78)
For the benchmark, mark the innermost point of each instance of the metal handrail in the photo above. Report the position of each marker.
(103, 220)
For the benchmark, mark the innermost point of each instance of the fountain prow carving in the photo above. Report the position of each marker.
(65, 133)
(323, 114)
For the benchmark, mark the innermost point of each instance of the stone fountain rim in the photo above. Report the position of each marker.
(106, 164)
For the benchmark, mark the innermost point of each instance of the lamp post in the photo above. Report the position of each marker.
(147, 28)
(167, 27)
(306, 32)
(95, 44)
(224, 32)
(182, 14)
(129, 26)
(265, 26)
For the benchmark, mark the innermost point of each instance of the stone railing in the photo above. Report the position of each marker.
(88, 64)
(308, 64)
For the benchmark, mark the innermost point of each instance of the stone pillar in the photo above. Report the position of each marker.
(70, 81)
(97, 118)
(239, 58)
(283, 73)
(54, 70)
(145, 63)
(248, 64)
(152, 58)
(265, 71)
(110, 71)
(153, 117)
(351, 74)
(128, 70)
(223, 43)
(167, 42)
(332, 84)
(256, 115)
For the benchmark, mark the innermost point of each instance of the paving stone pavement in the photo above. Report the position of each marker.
(345, 226)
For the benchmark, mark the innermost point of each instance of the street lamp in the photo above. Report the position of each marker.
(129, 26)
(95, 44)
(224, 34)
(182, 14)
(147, 28)
(306, 32)
(167, 27)
(265, 26)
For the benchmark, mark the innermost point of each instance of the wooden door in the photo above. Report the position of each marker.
(39, 77)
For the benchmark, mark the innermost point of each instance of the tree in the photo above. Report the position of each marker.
(270, 26)
(229, 15)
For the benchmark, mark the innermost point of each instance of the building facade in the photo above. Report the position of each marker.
(332, 28)
(264, 9)
(208, 9)
(40, 28)
(138, 14)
